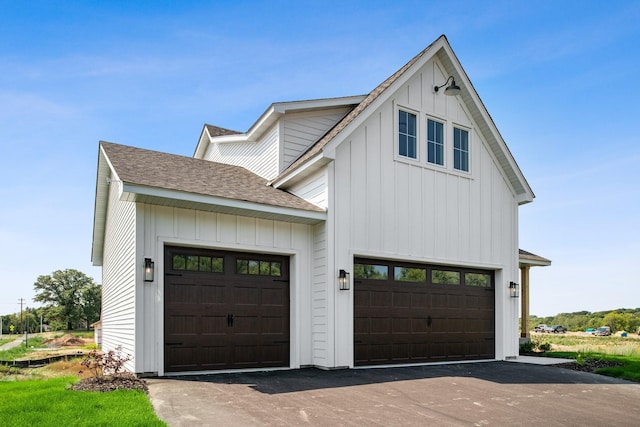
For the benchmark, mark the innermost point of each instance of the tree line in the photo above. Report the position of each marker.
(622, 319)
(70, 300)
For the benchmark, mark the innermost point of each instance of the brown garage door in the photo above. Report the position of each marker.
(225, 310)
(413, 313)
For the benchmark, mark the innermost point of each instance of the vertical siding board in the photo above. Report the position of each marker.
(373, 183)
(387, 173)
(357, 179)
(416, 214)
(118, 276)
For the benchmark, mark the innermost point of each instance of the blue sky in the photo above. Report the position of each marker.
(559, 79)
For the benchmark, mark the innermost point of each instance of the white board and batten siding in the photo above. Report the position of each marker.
(119, 277)
(390, 207)
(260, 157)
(301, 130)
(183, 227)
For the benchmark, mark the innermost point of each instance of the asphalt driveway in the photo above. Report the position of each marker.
(489, 393)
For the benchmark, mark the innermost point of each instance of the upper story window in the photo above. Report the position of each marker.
(435, 142)
(460, 149)
(407, 134)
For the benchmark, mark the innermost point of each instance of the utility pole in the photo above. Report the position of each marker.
(21, 301)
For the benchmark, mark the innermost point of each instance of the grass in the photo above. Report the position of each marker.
(21, 350)
(50, 403)
(5, 340)
(611, 348)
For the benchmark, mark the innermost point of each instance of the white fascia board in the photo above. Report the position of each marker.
(167, 194)
(100, 206)
(533, 263)
(299, 171)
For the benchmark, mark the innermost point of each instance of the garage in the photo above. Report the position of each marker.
(416, 313)
(225, 310)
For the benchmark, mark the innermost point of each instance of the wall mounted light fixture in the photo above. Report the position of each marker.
(343, 280)
(514, 289)
(452, 90)
(148, 270)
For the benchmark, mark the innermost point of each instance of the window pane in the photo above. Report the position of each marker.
(179, 262)
(407, 134)
(461, 149)
(477, 279)
(406, 274)
(205, 263)
(217, 265)
(275, 269)
(445, 277)
(254, 267)
(242, 266)
(370, 271)
(435, 142)
(411, 149)
(402, 145)
(192, 262)
(265, 267)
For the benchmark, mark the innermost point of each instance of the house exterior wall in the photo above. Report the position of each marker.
(183, 227)
(260, 157)
(313, 189)
(301, 130)
(119, 277)
(390, 207)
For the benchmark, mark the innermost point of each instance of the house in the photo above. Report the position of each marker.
(368, 230)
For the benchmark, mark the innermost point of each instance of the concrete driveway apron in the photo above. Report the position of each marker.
(468, 394)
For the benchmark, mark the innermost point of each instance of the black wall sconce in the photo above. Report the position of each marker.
(343, 280)
(148, 270)
(452, 90)
(514, 289)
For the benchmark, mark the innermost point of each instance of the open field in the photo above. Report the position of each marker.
(582, 342)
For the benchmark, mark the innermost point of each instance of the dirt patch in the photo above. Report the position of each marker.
(68, 340)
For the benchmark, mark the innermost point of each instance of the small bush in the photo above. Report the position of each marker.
(534, 346)
(102, 364)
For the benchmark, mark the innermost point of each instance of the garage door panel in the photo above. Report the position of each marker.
(213, 325)
(429, 322)
(219, 317)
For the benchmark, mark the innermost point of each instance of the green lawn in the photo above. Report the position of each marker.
(50, 403)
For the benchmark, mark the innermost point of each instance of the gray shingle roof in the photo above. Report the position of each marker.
(185, 174)
(524, 255)
(218, 131)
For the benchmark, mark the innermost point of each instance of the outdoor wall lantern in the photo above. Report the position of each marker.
(452, 90)
(514, 289)
(148, 270)
(343, 280)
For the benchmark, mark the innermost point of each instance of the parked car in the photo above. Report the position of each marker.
(603, 331)
(557, 329)
(540, 328)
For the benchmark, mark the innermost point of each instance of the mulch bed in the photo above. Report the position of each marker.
(589, 365)
(124, 381)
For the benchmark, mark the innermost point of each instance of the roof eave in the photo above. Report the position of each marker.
(165, 197)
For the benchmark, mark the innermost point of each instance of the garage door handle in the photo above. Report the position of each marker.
(173, 274)
(173, 343)
(230, 320)
(429, 321)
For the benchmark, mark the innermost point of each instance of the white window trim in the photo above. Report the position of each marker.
(469, 151)
(396, 132)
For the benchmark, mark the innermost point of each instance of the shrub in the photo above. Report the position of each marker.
(102, 364)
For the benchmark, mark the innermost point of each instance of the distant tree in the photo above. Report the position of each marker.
(69, 297)
(615, 321)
